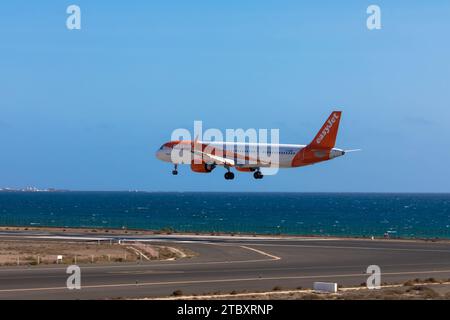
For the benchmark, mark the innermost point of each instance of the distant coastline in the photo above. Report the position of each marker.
(36, 189)
(32, 189)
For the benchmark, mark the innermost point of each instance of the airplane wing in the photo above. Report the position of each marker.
(207, 157)
(220, 160)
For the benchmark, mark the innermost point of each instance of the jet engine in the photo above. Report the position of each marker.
(202, 167)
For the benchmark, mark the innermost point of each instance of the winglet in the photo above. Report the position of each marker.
(326, 137)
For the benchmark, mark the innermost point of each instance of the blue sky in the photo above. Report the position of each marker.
(87, 109)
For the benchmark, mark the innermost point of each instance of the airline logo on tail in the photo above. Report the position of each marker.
(327, 128)
(326, 137)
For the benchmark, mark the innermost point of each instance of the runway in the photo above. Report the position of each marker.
(225, 264)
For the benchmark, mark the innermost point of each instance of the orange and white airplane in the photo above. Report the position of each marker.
(246, 157)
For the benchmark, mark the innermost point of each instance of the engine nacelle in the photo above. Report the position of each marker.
(202, 167)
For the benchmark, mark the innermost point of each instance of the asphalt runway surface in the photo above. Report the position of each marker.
(226, 264)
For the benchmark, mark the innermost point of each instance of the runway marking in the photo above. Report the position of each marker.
(139, 252)
(131, 272)
(349, 247)
(163, 263)
(137, 272)
(272, 258)
(219, 281)
(258, 269)
(262, 252)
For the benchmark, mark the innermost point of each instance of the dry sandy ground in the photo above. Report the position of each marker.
(32, 252)
(411, 290)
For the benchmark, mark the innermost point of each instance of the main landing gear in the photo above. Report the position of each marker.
(258, 175)
(229, 175)
(175, 171)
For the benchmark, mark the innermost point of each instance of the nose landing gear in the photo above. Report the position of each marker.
(175, 171)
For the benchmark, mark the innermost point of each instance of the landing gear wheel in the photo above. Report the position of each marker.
(258, 175)
(229, 175)
(175, 171)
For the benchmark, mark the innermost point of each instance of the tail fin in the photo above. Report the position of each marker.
(326, 137)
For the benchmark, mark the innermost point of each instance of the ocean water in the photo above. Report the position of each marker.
(339, 214)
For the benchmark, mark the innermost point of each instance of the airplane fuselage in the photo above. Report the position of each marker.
(204, 156)
(255, 154)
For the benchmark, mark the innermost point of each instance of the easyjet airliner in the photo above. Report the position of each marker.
(248, 157)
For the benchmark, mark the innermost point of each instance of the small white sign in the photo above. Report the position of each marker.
(325, 287)
(59, 258)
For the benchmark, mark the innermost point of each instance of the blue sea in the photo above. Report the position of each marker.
(325, 214)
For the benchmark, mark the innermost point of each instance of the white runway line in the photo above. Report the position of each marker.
(146, 265)
(187, 282)
(262, 252)
(349, 247)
